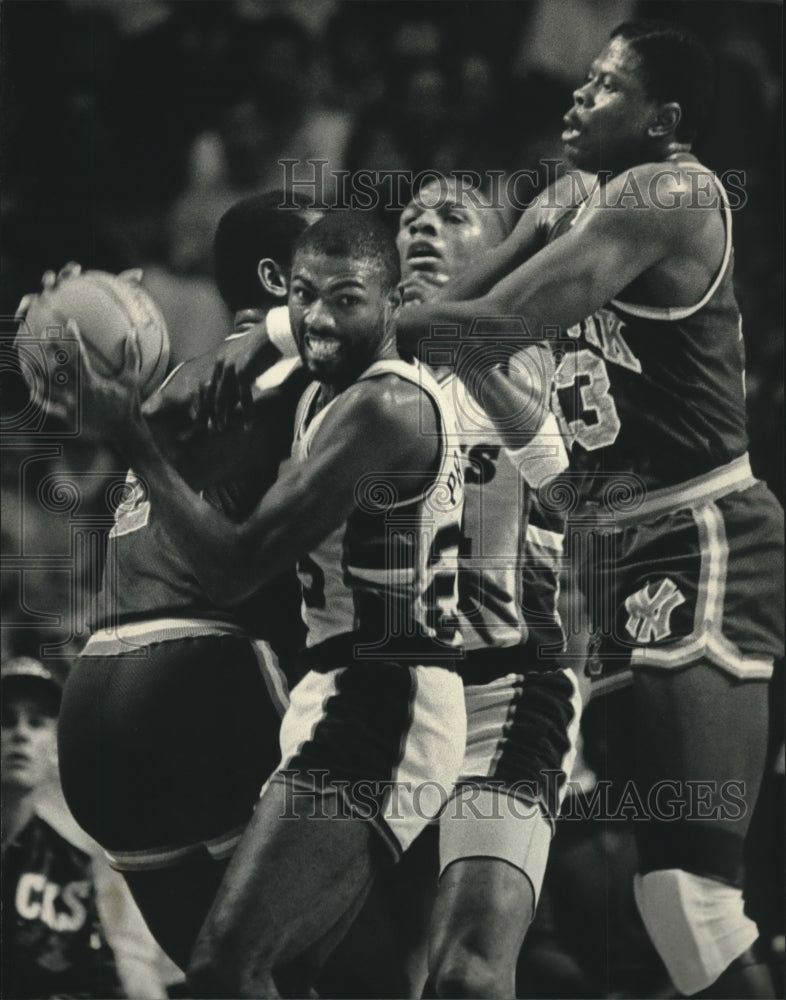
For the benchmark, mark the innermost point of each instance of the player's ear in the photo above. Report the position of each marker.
(393, 302)
(666, 121)
(272, 278)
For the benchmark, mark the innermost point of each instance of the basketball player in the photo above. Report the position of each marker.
(651, 385)
(371, 505)
(170, 719)
(522, 710)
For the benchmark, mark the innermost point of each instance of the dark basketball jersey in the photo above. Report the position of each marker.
(146, 576)
(53, 944)
(654, 396)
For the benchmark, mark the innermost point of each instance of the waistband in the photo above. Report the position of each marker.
(731, 478)
(356, 649)
(133, 635)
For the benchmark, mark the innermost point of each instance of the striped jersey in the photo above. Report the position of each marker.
(383, 585)
(655, 396)
(495, 604)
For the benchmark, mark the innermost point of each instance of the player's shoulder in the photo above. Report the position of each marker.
(390, 395)
(392, 408)
(668, 185)
(553, 211)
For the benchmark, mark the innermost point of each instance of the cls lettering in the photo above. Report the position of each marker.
(36, 900)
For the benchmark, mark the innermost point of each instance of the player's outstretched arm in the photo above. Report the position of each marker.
(516, 393)
(368, 430)
(208, 392)
(570, 278)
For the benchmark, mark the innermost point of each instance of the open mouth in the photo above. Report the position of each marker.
(322, 348)
(422, 252)
(572, 128)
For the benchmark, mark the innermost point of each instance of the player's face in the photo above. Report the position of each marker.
(28, 742)
(606, 129)
(340, 315)
(442, 231)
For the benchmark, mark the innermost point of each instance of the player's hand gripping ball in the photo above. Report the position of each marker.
(107, 309)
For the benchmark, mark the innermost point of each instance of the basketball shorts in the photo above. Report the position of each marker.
(521, 743)
(388, 737)
(699, 582)
(164, 755)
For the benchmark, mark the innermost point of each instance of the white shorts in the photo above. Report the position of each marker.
(521, 744)
(389, 737)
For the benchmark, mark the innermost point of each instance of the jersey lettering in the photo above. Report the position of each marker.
(133, 511)
(61, 908)
(582, 388)
(604, 330)
(481, 463)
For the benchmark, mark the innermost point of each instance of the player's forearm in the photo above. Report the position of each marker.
(477, 280)
(210, 541)
(440, 324)
(518, 413)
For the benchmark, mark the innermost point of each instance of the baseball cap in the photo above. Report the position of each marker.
(26, 669)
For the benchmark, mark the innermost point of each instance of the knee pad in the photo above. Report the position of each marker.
(697, 925)
(489, 823)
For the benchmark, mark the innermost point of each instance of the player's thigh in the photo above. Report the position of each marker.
(292, 878)
(701, 747)
(175, 901)
(707, 732)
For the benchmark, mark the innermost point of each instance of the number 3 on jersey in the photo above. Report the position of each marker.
(590, 413)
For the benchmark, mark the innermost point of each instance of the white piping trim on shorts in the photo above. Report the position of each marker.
(707, 640)
(272, 674)
(132, 635)
(153, 858)
(731, 478)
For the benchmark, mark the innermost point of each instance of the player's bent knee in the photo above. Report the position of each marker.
(697, 925)
(214, 970)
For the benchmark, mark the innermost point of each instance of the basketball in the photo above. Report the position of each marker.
(107, 308)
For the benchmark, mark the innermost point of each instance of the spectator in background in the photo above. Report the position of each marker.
(53, 945)
(53, 941)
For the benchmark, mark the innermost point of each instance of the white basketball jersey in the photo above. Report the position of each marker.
(384, 584)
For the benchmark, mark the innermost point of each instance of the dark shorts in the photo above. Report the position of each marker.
(164, 753)
(703, 582)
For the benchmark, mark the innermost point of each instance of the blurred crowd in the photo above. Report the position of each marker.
(129, 126)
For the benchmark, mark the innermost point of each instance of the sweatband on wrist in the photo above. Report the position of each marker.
(279, 331)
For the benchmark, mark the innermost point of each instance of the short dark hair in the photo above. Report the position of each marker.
(675, 66)
(355, 234)
(254, 228)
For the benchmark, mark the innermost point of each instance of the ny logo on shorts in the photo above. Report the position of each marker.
(650, 613)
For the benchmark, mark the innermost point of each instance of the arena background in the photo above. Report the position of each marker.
(128, 126)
